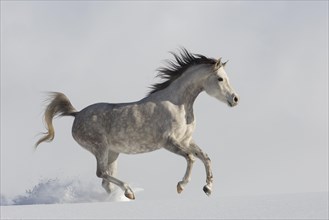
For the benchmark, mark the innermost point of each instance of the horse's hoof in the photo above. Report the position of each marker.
(180, 188)
(130, 195)
(207, 190)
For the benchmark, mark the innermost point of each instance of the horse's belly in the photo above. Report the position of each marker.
(134, 141)
(134, 148)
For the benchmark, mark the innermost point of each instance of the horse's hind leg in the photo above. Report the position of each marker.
(103, 172)
(111, 170)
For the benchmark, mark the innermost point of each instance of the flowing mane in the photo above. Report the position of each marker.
(182, 61)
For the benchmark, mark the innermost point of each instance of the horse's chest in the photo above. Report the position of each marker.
(183, 132)
(181, 128)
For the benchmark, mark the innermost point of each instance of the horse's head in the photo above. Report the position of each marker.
(217, 85)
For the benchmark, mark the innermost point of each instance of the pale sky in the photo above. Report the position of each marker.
(274, 141)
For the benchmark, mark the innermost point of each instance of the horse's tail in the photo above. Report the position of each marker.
(59, 105)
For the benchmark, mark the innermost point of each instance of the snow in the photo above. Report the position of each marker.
(53, 191)
(71, 199)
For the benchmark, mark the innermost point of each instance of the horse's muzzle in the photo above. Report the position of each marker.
(233, 100)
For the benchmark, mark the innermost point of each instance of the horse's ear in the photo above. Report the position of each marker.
(224, 63)
(218, 63)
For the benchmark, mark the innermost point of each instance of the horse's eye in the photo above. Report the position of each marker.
(220, 79)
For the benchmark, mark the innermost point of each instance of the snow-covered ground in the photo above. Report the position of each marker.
(55, 199)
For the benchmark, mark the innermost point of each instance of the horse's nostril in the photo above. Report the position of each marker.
(236, 99)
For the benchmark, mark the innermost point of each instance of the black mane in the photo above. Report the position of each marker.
(182, 61)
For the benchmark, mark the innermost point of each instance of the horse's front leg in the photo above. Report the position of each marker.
(207, 163)
(177, 148)
(187, 176)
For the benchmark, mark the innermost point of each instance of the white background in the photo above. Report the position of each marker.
(274, 141)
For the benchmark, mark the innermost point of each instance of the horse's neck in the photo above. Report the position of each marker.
(187, 97)
(184, 90)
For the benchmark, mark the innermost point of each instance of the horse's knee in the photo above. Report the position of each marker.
(190, 158)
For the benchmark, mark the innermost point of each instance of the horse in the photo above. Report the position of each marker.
(162, 119)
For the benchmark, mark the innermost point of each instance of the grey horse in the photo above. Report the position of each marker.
(163, 119)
